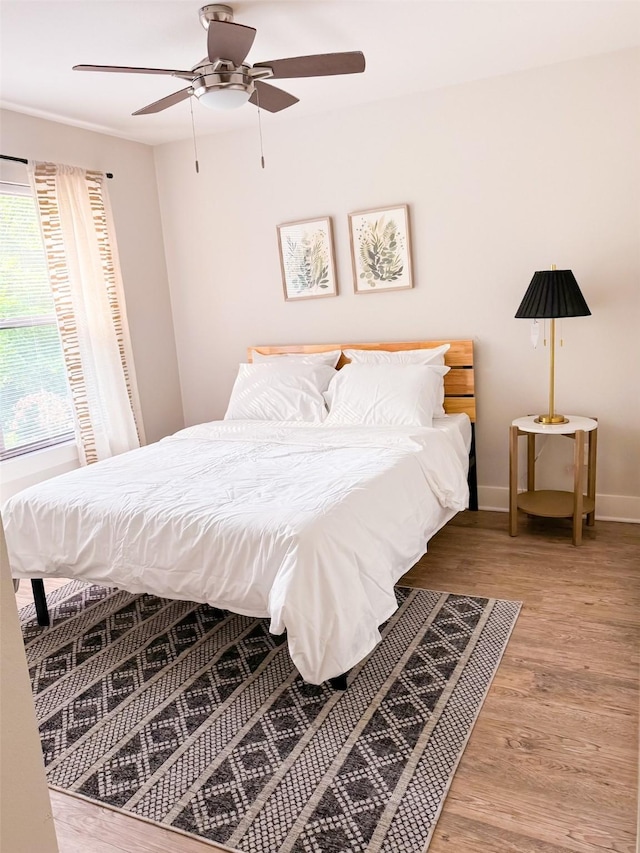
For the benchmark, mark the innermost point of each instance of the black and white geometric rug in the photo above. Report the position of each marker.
(196, 719)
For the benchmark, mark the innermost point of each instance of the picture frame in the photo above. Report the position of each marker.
(307, 259)
(381, 249)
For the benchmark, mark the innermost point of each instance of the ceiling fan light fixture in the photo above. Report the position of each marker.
(225, 98)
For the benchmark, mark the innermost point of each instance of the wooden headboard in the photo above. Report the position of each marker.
(459, 385)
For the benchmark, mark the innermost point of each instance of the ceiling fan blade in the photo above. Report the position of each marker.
(126, 69)
(163, 103)
(271, 98)
(317, 65)
(226, 40)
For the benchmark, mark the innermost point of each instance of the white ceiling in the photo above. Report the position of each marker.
(409, 45)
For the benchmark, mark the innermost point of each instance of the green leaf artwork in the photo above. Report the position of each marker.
(380, 247)
(306, 259)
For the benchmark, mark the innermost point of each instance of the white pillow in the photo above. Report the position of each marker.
(434, 355)
(280, 390)
(385, 394)
(332, 357)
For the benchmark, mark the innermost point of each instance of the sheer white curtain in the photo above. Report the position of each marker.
(79, 241)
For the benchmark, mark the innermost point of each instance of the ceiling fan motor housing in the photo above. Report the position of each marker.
(208, 79)
(215, 12)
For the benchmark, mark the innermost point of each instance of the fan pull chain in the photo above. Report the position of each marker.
(259, 127)
(561, 335)
(193, 130)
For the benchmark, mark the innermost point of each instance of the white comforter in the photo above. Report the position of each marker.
(308, 525)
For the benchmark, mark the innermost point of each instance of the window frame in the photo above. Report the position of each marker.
(19, 189)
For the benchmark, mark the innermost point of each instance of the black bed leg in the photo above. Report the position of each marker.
(472, 478)
(40, 600)
(339, 682)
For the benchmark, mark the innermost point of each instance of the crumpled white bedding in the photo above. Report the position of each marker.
(308, 525)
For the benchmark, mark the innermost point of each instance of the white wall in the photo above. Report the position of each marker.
(134, 199)
(503, 177)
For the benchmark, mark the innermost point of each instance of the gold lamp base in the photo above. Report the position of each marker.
(551, 419)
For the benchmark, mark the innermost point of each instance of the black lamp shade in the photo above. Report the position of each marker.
(553, 294)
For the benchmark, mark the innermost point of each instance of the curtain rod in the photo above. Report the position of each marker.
(22, 160)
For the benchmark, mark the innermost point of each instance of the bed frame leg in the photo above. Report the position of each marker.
(339, 682)
(472, 478)
(40, 600)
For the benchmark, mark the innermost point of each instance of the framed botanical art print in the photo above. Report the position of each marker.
(381, 249)
(307, 259)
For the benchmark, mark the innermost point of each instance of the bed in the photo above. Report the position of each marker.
(309, 525)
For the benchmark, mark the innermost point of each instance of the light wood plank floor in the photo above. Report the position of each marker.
(551, 765)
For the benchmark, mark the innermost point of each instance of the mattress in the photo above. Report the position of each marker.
(310, 526)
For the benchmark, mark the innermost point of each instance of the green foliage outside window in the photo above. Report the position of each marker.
(34, 394)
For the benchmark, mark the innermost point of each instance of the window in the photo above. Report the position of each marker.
(35, 404)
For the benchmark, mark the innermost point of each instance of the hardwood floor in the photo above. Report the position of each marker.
(552, 762)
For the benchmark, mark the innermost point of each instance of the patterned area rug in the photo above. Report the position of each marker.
(196, 719)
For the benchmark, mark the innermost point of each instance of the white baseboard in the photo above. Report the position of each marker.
(608, 507)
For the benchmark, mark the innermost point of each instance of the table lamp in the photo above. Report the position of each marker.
(552, 294)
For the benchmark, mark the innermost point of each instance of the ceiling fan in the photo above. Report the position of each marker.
(222, 80)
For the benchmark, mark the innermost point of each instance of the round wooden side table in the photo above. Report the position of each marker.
(553, 503)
